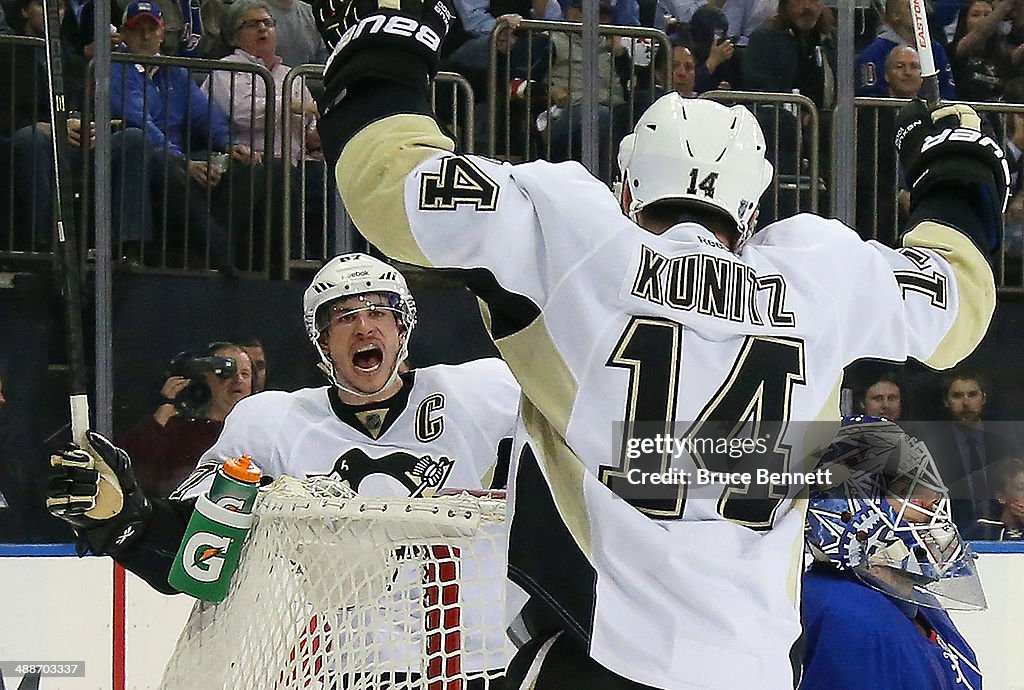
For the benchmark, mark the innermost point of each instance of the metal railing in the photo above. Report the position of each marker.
(530, 111)
(881, 196)
(878, 185)
(313, 226)
(227, 223)
(27, 232)
(296, 247)
(792, 132)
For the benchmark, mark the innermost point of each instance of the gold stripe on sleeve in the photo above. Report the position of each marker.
(549, 392)
(817, 437)
(975, 287)
(542, 373)
(565, 473)
(371, 174)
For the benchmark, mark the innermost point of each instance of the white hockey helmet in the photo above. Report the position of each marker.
(696, 150)
(350, 275)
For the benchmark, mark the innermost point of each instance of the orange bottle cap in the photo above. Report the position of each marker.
(243, 469)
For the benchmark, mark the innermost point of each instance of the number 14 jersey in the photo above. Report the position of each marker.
(604, 323)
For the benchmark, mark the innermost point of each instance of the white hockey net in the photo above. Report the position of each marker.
(343, 592)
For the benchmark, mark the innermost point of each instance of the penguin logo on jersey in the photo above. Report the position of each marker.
(394, 473)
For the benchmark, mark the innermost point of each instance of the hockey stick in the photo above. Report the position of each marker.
(64, 217)
(923, 43)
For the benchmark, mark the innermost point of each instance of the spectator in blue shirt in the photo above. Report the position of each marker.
(176, 116)
(897, 30)
(625, 12)
(164, 101)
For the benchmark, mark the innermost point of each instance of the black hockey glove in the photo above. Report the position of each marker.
(390, 40)
(945, 149)
(93, 488)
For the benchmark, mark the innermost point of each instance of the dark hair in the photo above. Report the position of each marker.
(825, 25)
(212, 347)
(708, 23)
(663, 57)
(885, 377)
(15, 19)
(963, 375)
(991, 49)
(674, 211)
(1004, 471)
(707, 26)
(248, 340)
(16, 6)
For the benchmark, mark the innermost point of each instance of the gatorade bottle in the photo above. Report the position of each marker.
(236, 484)
(210, 550)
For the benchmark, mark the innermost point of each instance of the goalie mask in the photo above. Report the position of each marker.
(352, 275)
(696, 150)
(885, 517)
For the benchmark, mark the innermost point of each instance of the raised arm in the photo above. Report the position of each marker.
(959, 181)
(403, 186)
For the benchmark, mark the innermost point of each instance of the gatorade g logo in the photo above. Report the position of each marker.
(203, 556)
(231, 503)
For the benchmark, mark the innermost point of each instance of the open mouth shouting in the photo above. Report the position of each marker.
(368, 358)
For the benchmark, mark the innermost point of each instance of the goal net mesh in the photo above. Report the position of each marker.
(345, 592)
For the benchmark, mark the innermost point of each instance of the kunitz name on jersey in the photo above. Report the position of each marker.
(716, 286)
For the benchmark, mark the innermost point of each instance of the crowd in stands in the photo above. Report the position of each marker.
(187, 163)
(176, 202)
(190, 156)
(979, 459)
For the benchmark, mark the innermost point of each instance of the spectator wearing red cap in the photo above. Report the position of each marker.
(175, 114)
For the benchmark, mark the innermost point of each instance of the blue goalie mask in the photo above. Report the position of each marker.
(885, 516)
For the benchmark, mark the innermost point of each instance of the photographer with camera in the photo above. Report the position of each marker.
(200, 389)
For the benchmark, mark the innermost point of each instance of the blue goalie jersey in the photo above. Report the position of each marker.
(857, 637)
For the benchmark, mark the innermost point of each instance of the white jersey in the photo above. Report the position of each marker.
(442, 431)
(449, 427)
(602, 322)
